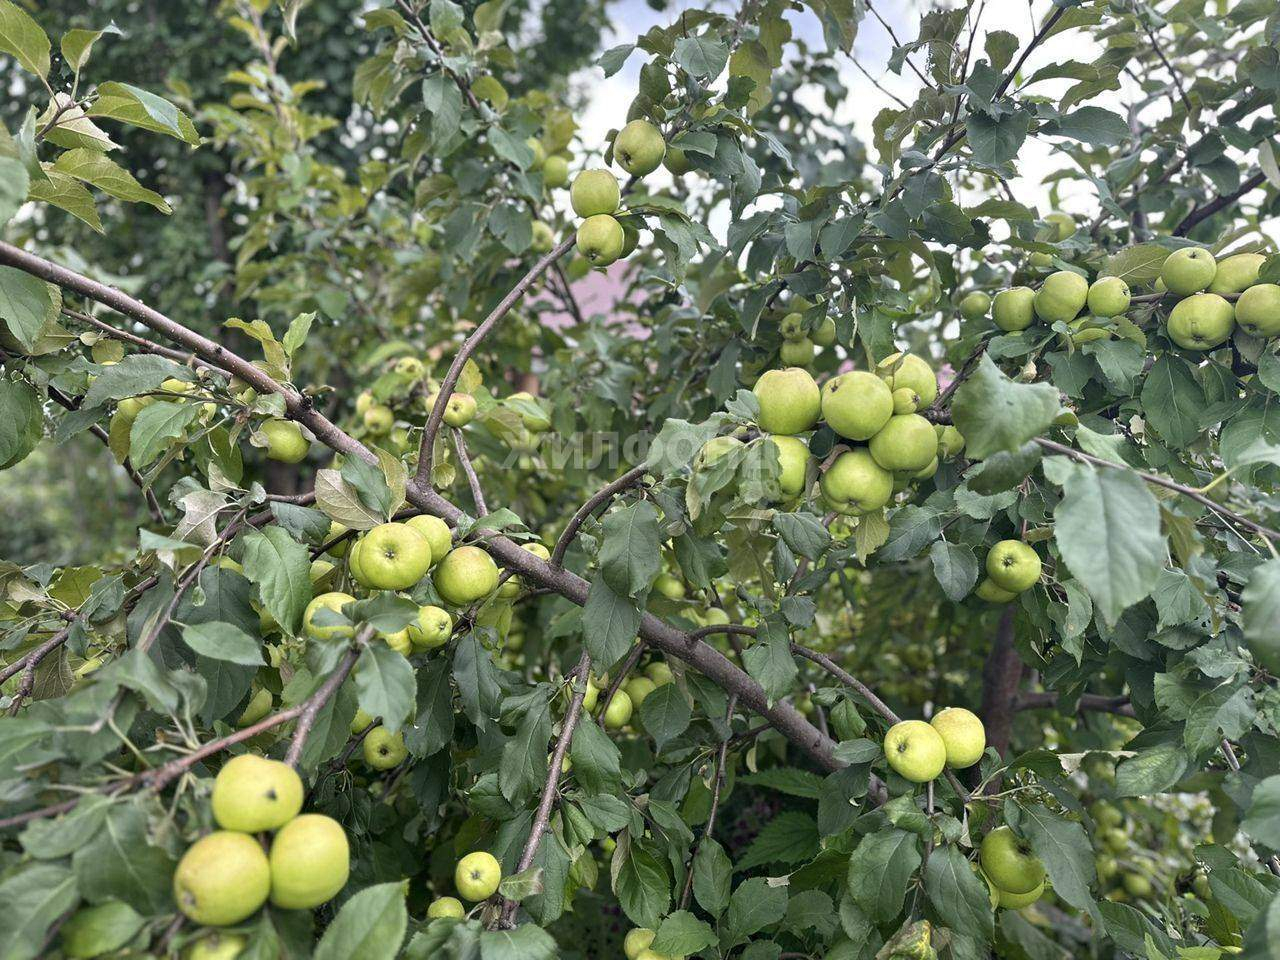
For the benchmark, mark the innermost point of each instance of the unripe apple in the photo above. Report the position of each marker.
(216, 946)
(669, 586)
(600, 239)
(465, 575)
(338, 549)
(797, 353)
(1258, 310)
(639, 148)
(975, 305)
(432, 628)
(989, 591)
(410, 368)
(1202, 321)
(1061, 297)
(285, 441)
(363, 402)
(638, 688)
(1016, 901)
(659, 673)
(353, 563)
(905, 400)
(259, 706)
(928, 471)
(677, 162)
(900, 370)
(1108, 297)
(327, 601)
(790, 401)
(555, 172)
(905, 444)
(534, 423)
(252, 794)
(437, 533)
(539, 153)
(963, 735)
(379, 419)
(1007, 862)
(1236, 274)
(594, 192)
(592, 695)
(630, 235)
(1013, 565)
(1137, 886)
(792, 326)
(793, 458)
(1188, 271)
(855, 484)
(950, 440)
(544, 237)
(360, 721)
(915, 751)
(1014, 309)
(619, 710)
(825, 335)
(383, 749)
(1063, 223)
(1040, 261)
(394, 556)
(222, 879)
(636, 940)
(310, 862)
(398, 641)
(856, 405)
(477, 876)
(130, 407)
(447, 906)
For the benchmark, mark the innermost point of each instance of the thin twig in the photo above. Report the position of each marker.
(603, 495)
(315, 703)
(716, 784)
(460, 447)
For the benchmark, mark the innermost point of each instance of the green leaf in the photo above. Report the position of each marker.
(157, 424)
(996, 414)
(609, 623)
(1261, 616)
(223, 641)
(102, 929)
(524, 756)
(880, 870)
(341, 502)
(280, 567)
(788, 780)
(431, 728)
(1172, 400)
(803, 533)
(135, 106)
(630, 552)
(956, 568)
(756, 904)
(33, 899)
(1136, 265)
(682, 934)
(665, 714)
(1151, 771)
(477, 679)
(371, 925)
(1108, 530)
(1092, 125)
(528, 942)
(596, 760)
(96, 169)
(21, 422)
(121, 864)
(996, 140)
(26, 304)
(703, 57)
(642, 885)
(53, 839)
(22, 38)
(957, 894)
(384, 684)
(66, 193)
(769, 660)
(76, 45)
(15, 179)
(1064, 849)
(611, 60)
(790, 837)
(712, 873)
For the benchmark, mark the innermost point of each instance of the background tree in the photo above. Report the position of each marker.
(618, 627)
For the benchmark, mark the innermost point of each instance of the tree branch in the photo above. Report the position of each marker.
(1205, 211)
(1087, 702)
(1001, 675)
(716, 784)
(603, 495)
(315, 703)
(477, 495)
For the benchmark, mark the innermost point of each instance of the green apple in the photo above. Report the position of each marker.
(1008, 863)
(792, 326)
(285, 441)
(360, 721)
(398, 641)
(93, 931)
(915, 751)
(677, 162)
(1188, 271)
(790, 401)
(321, 573)
(383, 749)
(905, 444)
(432, 629)
(1202, 321)
(539, 153)
(927, 472)
(1016, 901)
(533, 422)
(252, 794)
(1108, 297)
(1064, 224)
(410, 368)
(340, 548)
(1236, 274)
(379, 419)
(259, 706)
(1013, 565)
(327, 601)
(437, 532)
(544, 238)
(975, 305)
(630, 235)
(310, 862)
(555, 172)
(669, 586)
(600, 239)
(477, 876)
(594, 192)
(963, 735)
(1061, 297)
(130, 407)
(1040, 261)
(900, 370)
(353, 562)
(715, 449)
(1137, 886)
(825, 335)
(905, 400)
(216, 946)
(636, 940)
(648, 954)
(857, 404)
(221, 879)
(465, 575)
(1258, 310)
(639, 148)
(987, 590)
(448, 906)
(793, 459)
(659, 673)
(619, 710)
(459, 410)
(394, 556)
(855, 484)
(950, 441)
(1014, 309)
(1116, 839)
(797, 353)
(638, 688)
(715, 617)
(592, 695)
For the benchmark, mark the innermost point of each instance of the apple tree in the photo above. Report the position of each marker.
(887, 570)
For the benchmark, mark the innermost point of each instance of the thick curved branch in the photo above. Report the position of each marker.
(427, 447)
(1088, 702)
(601, 496)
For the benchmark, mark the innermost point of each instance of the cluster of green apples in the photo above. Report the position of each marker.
(1113, 840)
(799, 346)
(918, 751)
(602, 237)
(225, 876)
(1203, 318)
(636, 946)
(1012, 567)
(617, 713)
(475, 878)
(889, 444)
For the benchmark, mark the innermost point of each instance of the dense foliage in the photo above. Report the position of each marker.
(889, 573)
